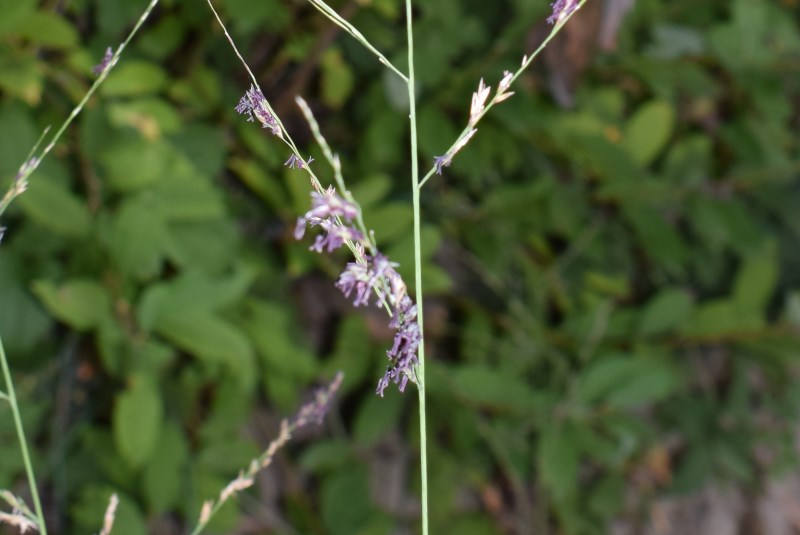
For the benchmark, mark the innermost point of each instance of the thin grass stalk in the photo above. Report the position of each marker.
(415, 190)
(337, 19)
(11, 398)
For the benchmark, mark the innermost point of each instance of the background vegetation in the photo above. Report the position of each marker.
(612, 261)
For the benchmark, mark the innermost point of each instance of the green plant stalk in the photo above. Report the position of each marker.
(11, 398)
(419, 372)
(334, 17)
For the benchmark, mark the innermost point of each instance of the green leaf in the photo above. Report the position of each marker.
(756, 280)
(665, 311)
(55, 208)
(23, 322)
(80, 303)
(133, 78)
(163, 477)
(722, 317)
(205, 336)
(377, 416)
(625, 382)
(138, 238)
(648, 131)
(13, 13)
(212, 340)
(194, 292)
(209, 246)
(269, 326)
(135, 164)
(559, 459)
(46, 28)
(486, 386)
(137, 421)
(346, 503)
(337, 78)
(151, 117)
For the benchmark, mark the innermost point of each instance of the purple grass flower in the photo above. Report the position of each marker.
(254, 105)
(442, 161)
(295, 162)
(446, 159)
(325, 206)
(364, 278)
(334, 237)
(403, 354)
(104, 63)
(561, 9)
(315, 410)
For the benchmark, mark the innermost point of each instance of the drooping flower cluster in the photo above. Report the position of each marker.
(329, 212)
(561, 10)
(254, 105)
(376, 275)
(369, 275)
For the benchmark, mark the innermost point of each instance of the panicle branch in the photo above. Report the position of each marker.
(314, 411)
(562, 12)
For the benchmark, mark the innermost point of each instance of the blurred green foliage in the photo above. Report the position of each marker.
(616, 298)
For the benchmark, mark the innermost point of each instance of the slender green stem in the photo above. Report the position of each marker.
(420, 369)
(337, 19)
(11, 398)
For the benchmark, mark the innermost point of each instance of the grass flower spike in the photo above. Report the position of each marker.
(254, 105)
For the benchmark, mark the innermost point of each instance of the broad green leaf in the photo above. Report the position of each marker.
(189, 199)
(370, 191)
(721, 318)
(648, 131)
(559, 459)
(23, 321)
(269, 326)
(46, 28)
(80, 303)
(151, 117)
(55, 208)
(13, 13)
(209, 246)
(256, 178)
(137, 420)
(346, 503)
(133, 78)
(377, 416)
(756, 280)
(665, 311)
(337, 78)
(625, 382)
(325, 455)
(138, 238)
(133, 165)
(212, 340)
(194, 292)
(164, 475)
(489, 387)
